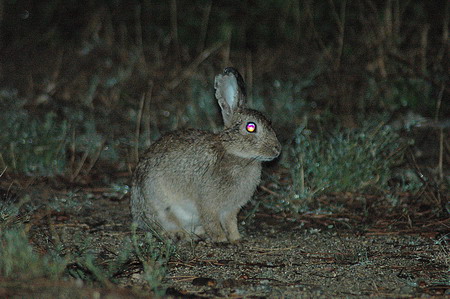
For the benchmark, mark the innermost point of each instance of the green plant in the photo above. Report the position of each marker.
(414, 94)
(40, 145)
(353, 160)
(151, 253)
(18, 259)
(8, 211)
(30, 145)
(10, 206)
(154, 256)
(286, 104)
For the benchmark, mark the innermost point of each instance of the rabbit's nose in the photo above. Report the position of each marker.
(277, 149)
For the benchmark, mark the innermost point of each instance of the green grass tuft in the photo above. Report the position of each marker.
(354, 160)
(152, 254)
(19, 261)
(29, 145)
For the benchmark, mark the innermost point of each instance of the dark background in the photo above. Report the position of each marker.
(100, 67)
(395, 44)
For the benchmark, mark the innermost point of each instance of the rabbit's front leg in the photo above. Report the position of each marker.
(211, 223)
(229, 223)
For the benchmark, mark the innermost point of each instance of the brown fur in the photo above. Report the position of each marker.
(192, 183)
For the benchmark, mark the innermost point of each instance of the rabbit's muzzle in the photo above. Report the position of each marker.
(277, 150)
(271, 152)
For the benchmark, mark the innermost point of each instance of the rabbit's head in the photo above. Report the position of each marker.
(248, 133)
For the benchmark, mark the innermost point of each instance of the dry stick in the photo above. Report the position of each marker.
(138, 29)
(445, 34)
(423, 48)
(3, 164)
(302, 175)
(340, 22)
(249, 81)
(264, 188)
(447, 149)
(96, 156)
(297, 15)
(3, 171)
(204, 27)
(227, 51)
(72, 152)
(341, 31)
(397, 15)
(13, 155)
(56, 72)
(138, 128)
(77, 171)
(147, 121)
(388, 21)
(193, 66)
(315, 33)
(174, 26)
(441, 136)
(129, 160)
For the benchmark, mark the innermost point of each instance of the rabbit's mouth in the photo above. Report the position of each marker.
(276, 153)
(265, 159)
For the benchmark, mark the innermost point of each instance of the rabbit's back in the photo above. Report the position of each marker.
(182, 153)
(192, 157)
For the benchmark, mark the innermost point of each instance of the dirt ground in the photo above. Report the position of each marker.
(281, 256)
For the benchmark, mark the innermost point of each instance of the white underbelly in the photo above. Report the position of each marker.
(187, 214)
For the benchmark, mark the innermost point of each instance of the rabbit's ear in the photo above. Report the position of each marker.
(230, 93)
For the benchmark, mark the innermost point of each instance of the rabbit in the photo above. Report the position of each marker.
(191, 184)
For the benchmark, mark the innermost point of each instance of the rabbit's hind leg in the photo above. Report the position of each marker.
(179, 225)
(170, 223)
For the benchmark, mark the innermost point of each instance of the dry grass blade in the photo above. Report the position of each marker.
(191, 68)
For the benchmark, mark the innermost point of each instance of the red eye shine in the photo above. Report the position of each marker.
(251, 127)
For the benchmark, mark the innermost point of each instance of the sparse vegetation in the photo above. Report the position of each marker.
(84, 90)
(350, 161)
(19, 260)
(152, 254)
(154, 257)
(28, 144)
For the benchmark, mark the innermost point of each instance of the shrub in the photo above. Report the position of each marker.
(30, 145)
(353, 160)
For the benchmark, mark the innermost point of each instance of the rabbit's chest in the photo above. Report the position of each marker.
(246, 179)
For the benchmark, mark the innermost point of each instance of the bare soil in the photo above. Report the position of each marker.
(281, 255)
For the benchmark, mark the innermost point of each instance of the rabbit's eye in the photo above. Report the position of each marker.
(251, 127)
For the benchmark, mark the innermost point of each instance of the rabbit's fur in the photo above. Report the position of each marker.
(192, 183)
